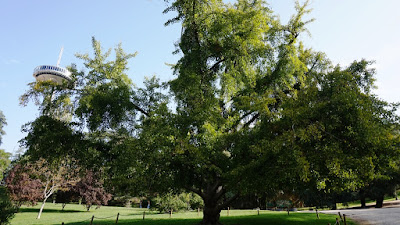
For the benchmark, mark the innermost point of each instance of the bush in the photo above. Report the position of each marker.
(121, 201)
(7, 209)
(170, 201)
(196, 201)
(183, 201)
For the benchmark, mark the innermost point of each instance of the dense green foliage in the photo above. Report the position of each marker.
(348, 135)
(4, 162)
(7, 209)
(174, 202)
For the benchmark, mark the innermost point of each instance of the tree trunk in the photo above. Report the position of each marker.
(263, 202)
(379, 201)
(41, 208)
(334, 206)
(363, 202)
(214, 201)
(211, 215)
(362, 199)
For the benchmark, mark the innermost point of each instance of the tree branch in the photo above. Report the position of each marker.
(197, 191)
(141, 110)
(216, 64)
(252, 119)
(312, 66)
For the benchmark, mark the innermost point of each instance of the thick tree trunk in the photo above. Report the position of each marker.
(213, 204)
(334, 205)
(362, 199)
(263, 202)
(379, 202)
(210, 215)
(363, 202)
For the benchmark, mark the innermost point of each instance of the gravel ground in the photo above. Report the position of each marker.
(389, 215)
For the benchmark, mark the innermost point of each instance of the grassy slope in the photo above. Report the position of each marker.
(76, 214)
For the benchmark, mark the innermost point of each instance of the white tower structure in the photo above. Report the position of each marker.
(54, 73)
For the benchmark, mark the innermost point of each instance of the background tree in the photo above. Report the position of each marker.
(4, 163)
(170, 202)
(4, 156)
(346, 135)
(2, 124)
(176, 202)
(66, 196)
(33, 182)
(91, 189)
(23, 188)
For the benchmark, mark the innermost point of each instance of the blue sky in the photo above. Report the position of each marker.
(34, 31)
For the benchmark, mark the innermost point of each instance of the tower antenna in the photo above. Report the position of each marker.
(60, 55)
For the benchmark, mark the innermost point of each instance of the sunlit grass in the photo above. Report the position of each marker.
(76, 214)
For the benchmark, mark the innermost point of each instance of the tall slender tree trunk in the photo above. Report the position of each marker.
(41, 208)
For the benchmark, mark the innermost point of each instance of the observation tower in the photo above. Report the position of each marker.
(54, 73)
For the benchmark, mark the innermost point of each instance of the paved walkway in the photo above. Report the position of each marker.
(388, 215)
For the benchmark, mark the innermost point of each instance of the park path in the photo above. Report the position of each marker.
(388, 215)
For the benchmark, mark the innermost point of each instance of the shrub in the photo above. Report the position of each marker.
(183, 201)
(170, 201)
(7, 209)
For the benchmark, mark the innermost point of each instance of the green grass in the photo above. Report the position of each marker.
(77, 215)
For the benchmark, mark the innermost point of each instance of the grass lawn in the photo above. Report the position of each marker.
(76, 214)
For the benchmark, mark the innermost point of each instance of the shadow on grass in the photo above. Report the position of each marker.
(22, 210)
(294, 219)
(141, 222)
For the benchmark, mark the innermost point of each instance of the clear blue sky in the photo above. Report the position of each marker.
(34, 31)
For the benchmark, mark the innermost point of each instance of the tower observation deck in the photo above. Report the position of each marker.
(54, 73)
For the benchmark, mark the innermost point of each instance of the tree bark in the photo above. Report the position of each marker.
(334, 205)
(379, 201)
(362, 199)
(213, 205)
(41, 209)
(211, 215)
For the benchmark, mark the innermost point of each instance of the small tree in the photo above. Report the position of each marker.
(22, 187)
(170, 201)
(91, 189)
(55, 177)
(176, 202)
(66, 196)
(38, 181)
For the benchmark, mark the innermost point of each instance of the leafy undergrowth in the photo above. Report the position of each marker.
(76, 215)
